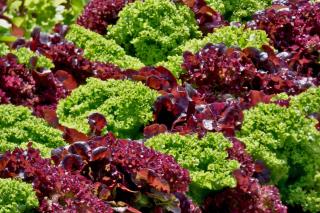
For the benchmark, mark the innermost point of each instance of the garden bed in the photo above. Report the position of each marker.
(160, 106)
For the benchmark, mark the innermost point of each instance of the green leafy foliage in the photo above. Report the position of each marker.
(308, 102)
(4, 49)
(127, 106)
(229, 35)
(289, 144)
(238, 10)
(238, 36)
(206, 159)
(218, 5)
(24, 55)
(29, 14)
(98, 48)
(18, 126)
(72, 9)
(17, 196)
(280, 96)
(151, 29)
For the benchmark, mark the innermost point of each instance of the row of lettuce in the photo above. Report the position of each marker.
(281, 134)
(284, 138)
(110, 51)
(45, 13)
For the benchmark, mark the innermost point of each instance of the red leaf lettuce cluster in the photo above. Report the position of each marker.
(294, 29)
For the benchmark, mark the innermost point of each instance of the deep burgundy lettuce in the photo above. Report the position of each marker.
(132, 157)
(20, 85)
(184, 110)
(294, 29)
(127, 172)
(217, 71)
(207, 18)
(57, 189)
(72, 193)
(98, 14)
(158, 78)
(100, 175)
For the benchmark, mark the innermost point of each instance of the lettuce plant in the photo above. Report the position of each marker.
(17, 196)
(98, 48)
(229, 35)
(4, 49)
(307, 102)
(238, 10)
(98, 14)
(289, 144)
(18, 127)
(27, 15)
(116, 164)
(127, 106)
(20, 85)
(293, 29)
(206, 159)
(217, 70)
(151, 29)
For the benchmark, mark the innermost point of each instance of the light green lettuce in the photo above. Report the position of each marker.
(98, 48)
(28, 14)
(206, 159)
(238, 10)
(127, 106)
(307, 102)
(18, 127)
(151, 29)
(4, 49)
(289, 144)
(17, 196)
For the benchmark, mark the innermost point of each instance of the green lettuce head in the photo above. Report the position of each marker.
(28, 14)
(289, 144)
(18, 127)
(151, 29)
(17, 196)
(307, 102)
(4, 49)
(98, 48)
(127, 106)
(238, 10)
(206, 159)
